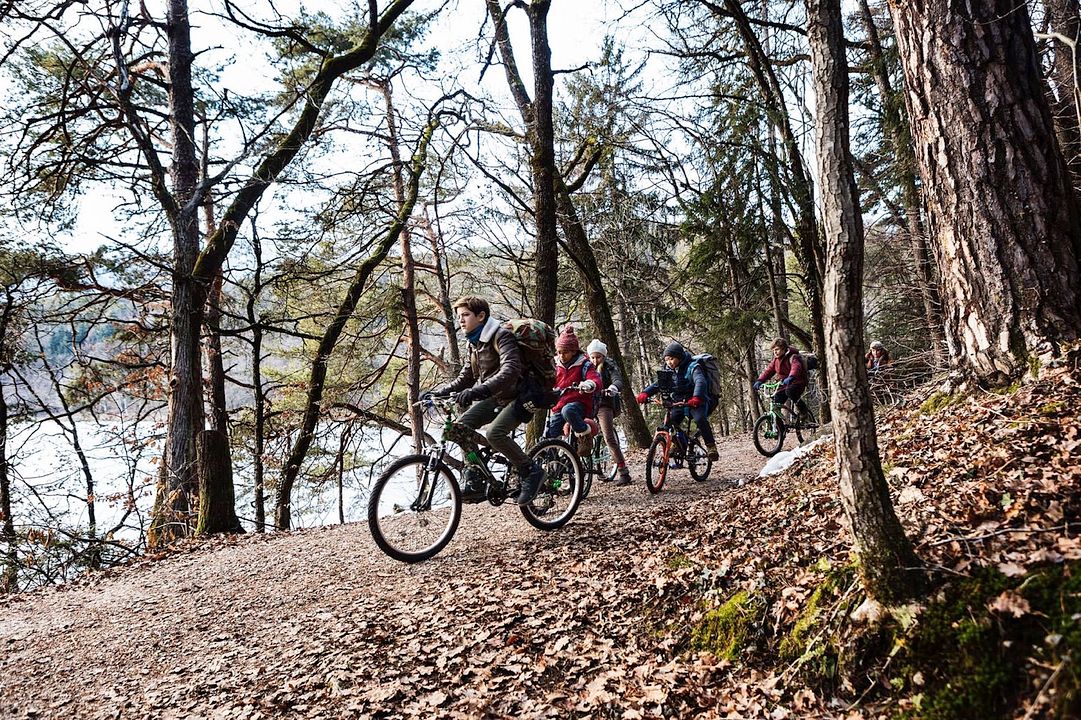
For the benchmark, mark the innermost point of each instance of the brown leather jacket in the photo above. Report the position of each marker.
(495, 364)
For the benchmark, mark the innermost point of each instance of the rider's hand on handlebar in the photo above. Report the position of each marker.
(611, 391)
(641, 398)
(757, 384)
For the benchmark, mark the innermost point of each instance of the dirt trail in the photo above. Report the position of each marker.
(319, 623)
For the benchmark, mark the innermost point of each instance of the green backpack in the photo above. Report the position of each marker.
(537, 343)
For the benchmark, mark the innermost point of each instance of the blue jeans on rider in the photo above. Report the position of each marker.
(573, 413)
(700, 415)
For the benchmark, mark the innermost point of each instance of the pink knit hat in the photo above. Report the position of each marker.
(567, 340)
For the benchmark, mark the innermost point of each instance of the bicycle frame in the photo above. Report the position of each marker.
(499, 487)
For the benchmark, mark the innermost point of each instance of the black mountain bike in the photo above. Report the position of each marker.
(416, 504)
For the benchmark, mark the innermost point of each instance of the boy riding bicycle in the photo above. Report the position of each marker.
(691, 386)
(489, 385)
(791, 367)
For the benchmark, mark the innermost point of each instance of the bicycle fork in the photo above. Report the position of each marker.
(426, 491)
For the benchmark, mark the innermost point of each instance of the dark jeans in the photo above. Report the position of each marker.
(573, 413)
(792, 392)
(700, 415)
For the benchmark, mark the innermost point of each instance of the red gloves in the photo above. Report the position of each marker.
(695, 402)
(641, 398)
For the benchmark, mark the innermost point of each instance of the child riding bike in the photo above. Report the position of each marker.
(691, 386)
(791, 368)
(608, 406)
(489, 386)
(577, 376)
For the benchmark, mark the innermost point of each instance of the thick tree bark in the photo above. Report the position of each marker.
(904, 171)
(1001, 207)
(888, 566)
(317, 380)
(543, 162)
(193, 270)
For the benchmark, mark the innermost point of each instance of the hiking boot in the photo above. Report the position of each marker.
(711, 452)
(532, 475)
(585, 445)
(624, 478)
(474, 489)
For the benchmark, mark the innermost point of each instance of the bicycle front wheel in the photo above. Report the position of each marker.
(560, 491)
(657, 464)
(698, 460)
(769, 431)
(414, 510)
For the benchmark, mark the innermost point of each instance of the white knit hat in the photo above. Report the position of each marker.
(596, 346)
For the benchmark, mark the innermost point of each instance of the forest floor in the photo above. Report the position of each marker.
(684, 604)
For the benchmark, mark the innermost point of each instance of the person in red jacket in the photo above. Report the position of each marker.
(790, 366)
(573, 370)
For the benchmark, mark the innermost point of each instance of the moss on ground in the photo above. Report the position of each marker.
(975, 662)
(814, 644)
(939, 401)
(727, 630)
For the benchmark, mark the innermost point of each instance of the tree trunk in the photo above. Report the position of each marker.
(1001, 207)
(258, 392)
(442, 275)
(9, 573)
(807, 242)
(888, 566)
(317, 380)
(1064, 20)
(543, 162)
(217, 502)
(904, 170)
(173, 503)
(600, 311)
(409, 283)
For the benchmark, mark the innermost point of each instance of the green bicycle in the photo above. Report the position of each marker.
(773, 425)
(416, 504)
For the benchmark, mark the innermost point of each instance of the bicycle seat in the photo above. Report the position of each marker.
(594, 428)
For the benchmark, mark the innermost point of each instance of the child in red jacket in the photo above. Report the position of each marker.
(573, 370)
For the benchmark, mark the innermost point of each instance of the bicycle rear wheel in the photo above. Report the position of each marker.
(561, 489)
(657, 464)
(603, 464)
(769, 432)
(698, 461)
(413, 511)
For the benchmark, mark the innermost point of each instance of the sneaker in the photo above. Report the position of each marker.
(532, 475)
(675, 463)
(473, 487)
(624, 478)
(585, 446)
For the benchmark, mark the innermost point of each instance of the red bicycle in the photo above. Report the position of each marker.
(665, 440)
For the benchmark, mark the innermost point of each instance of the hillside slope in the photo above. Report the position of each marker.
(713, 600)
